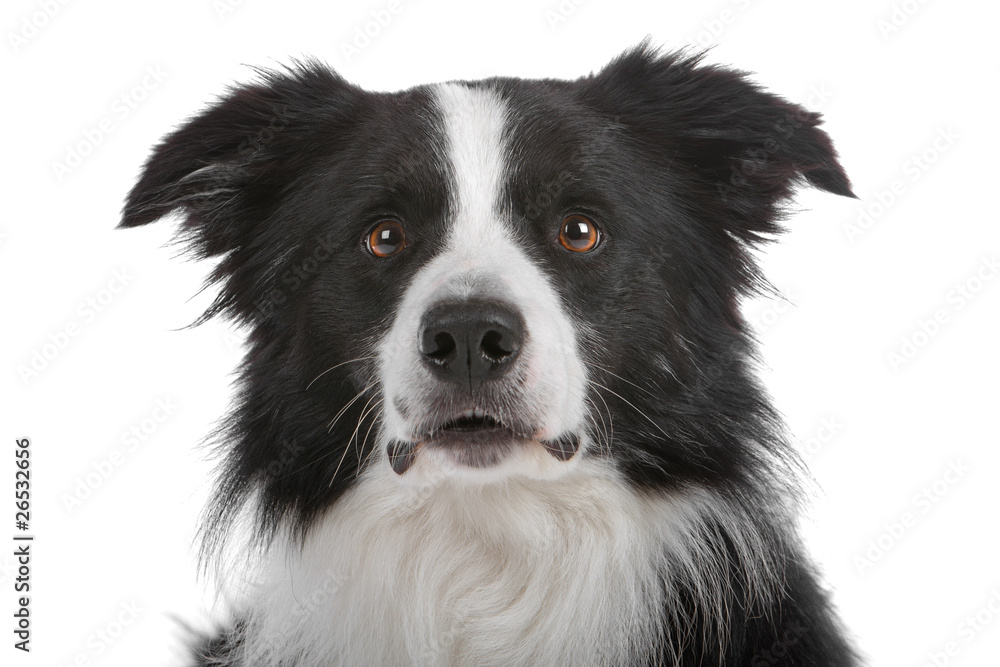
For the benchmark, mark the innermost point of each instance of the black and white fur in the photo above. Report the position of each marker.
(639, 509)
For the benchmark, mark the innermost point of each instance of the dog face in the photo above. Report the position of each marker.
(497, 380)
(487, 280)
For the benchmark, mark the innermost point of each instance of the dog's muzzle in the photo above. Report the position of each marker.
(471, 349)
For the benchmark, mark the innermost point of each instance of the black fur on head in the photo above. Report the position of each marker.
(701, 162)
(274, 179)
(280, 179)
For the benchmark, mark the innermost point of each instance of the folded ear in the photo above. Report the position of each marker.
(751, 148)
(225, 169)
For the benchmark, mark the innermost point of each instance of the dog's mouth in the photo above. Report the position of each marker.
(471, 421)
(476, 438)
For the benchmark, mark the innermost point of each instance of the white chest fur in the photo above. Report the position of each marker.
(570, 571)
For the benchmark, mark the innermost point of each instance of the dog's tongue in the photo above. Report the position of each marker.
(401, 455)
(564, 447)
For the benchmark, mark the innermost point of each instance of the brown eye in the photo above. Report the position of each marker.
(386, 238)
(579, 234)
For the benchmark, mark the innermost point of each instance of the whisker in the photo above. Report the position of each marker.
(640, 388)
(600, 433)
(650, 419)
(339, 463)
(339, 414)
(371, 452)
(364, 413)
(347, 445)
(349, 404)
(611, 420)
(631, 405)
(349, 361)
(364, 442)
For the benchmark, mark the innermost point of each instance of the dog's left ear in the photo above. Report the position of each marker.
(226, 169)
(747, 148)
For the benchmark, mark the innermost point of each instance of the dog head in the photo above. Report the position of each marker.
(487, 280)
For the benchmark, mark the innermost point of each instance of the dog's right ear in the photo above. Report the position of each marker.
(747, 148)
(225, 169)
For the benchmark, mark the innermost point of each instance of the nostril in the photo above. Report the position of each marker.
(497, 347)
(440, 348)
(470, 342)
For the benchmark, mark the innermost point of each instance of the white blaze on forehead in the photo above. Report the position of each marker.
(474, 121)
(481, 257)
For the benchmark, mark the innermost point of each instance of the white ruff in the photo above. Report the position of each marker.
(524, 572)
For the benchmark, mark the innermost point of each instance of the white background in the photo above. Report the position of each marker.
(896, 81)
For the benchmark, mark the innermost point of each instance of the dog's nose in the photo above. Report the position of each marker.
(470, 342)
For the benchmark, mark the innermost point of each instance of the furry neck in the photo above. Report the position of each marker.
(583, 570)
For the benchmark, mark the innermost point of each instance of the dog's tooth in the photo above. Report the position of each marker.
(401, 455)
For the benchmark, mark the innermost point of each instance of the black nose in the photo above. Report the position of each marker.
(470, 342)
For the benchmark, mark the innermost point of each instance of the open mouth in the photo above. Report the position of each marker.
(470, 422)
(476, 439)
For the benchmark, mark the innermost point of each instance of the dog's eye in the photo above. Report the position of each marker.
(386, 238)
(579, 234)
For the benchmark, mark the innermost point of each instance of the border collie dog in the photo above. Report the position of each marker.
(499, 404)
